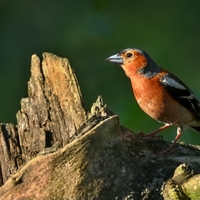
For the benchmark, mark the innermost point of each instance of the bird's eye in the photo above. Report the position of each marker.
(128, 55)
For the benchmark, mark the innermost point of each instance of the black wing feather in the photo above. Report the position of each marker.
(184, 96)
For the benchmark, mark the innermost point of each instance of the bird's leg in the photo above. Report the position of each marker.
(152, 134)
(178, 135)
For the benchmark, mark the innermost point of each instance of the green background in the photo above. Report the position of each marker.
(87, 32)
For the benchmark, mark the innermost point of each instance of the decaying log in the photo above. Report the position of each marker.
(52, 112)
(58, 150)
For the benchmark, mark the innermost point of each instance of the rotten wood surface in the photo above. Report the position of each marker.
(52, 112)
(58, 150)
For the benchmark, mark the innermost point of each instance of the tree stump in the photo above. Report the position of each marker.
(58, 150)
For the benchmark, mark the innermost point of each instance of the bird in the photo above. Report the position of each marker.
(159, 93)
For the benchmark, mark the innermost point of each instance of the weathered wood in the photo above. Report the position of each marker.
(58, 151)
(52, 112)
(10, 152)
(107, 162)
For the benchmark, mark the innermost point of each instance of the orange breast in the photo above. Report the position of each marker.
(158, 104)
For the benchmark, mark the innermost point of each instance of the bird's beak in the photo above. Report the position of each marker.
(115, 58)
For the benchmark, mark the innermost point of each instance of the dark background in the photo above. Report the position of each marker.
(87, 32)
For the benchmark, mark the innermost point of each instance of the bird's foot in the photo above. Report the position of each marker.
(152, 135)
(169, 150)
(149, 136)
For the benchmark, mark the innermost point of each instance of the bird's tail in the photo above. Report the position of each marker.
(197, 112)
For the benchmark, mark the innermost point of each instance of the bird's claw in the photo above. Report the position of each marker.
(149, 136)
(169, 150)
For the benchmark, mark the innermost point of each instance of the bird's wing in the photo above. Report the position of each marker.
(181, 93)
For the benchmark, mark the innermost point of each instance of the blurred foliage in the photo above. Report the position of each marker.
(87, 32)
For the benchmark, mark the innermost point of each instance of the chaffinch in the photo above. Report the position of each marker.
(158, 92)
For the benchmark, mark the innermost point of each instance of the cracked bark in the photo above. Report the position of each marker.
(58, 150)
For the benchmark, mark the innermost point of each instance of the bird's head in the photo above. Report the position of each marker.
(133, 61)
